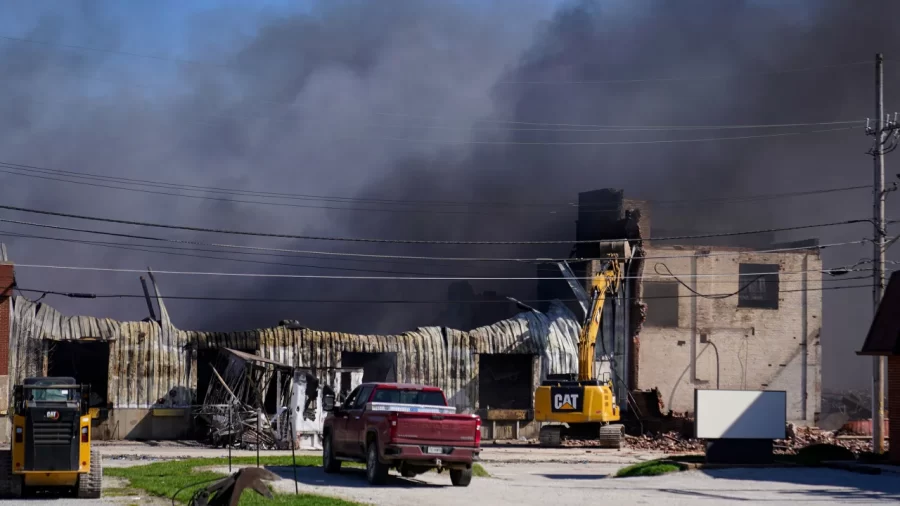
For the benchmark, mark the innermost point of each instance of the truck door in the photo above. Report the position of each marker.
(356, 425)
(339, 423)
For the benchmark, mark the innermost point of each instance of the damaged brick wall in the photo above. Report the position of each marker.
(718, 342)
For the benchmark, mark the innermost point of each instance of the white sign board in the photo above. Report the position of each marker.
(740, 414)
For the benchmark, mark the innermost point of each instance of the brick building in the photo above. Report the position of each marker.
(883, 340)
(757, 325)
(764, 337)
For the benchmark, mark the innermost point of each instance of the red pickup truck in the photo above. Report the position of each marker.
(407, 427)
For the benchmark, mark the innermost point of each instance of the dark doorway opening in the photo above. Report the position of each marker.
(86, 361)
(505, 381)
(206, 359)
(377, 367)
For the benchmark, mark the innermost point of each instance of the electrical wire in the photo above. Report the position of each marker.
(695, 292)
(29, 169)
(138, 247)
(57, 45)
(286, 264)
(367, 256)
(492, 125)
(695, 78)
(391, 278)
(413, 241)
(380, 301)
(605, 143)
(275, 204)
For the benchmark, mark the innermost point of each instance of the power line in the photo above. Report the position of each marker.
(694, 78)
(288, 250)
(483, 124)
(353, 255)
(480, 124)
(27, 170)
(607, 81)
(380, 301)
(817, 247)
(606, 143)
(286, 264)
(210, 257)
(108, 51)
(414, 241)
(395, 278)
(276, 204)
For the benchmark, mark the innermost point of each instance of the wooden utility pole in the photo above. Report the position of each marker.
(878, 362)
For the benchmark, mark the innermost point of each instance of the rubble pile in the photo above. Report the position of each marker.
(668, 442)
(798, 437)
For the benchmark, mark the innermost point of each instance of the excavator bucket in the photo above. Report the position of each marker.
(622, 249)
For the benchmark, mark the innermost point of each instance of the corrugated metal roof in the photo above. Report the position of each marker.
(884, 333)
(249, 357)
(153, 364)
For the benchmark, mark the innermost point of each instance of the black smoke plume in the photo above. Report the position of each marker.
(437, 103)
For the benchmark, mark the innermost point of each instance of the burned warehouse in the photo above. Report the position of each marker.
(151, 380)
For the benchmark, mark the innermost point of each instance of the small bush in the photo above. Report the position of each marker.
(649, 468)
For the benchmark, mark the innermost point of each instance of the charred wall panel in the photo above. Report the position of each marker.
(153, 363)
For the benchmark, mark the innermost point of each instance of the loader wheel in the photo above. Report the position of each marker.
(550, 436)
(461, 477)
(612, 436)
(10, 484)
(90, 485)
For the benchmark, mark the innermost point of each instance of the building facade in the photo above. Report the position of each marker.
(755, 326)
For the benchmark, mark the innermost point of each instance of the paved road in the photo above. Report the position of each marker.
(524, 476)
(549, 483)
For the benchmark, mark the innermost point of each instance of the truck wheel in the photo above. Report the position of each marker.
(91, 484)
(461, 477)
(10, 484)
(329, 462)
(376, 472)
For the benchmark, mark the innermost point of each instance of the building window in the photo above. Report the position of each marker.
(662, 303)
(759, 286)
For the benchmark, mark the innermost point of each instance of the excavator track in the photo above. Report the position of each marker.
(612, 436)
(551, 436)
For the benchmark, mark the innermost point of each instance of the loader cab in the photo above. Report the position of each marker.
(51, 439)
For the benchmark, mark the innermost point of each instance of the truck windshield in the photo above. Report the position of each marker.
(421, 397)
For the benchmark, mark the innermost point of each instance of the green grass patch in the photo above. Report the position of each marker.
(164, 479)
(649, 468)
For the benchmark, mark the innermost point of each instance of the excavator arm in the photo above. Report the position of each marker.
(605, 282)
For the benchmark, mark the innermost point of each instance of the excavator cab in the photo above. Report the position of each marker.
(51, 440)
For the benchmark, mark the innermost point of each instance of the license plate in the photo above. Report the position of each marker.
(434, 450)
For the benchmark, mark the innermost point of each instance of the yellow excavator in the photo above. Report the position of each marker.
(584, 408)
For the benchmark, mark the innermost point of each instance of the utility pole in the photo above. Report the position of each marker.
(886, 133)
(878, 362)
(883, 126)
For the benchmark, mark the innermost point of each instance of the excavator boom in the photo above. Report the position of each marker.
(605, 281)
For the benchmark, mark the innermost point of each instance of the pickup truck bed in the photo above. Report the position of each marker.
(417, 433)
